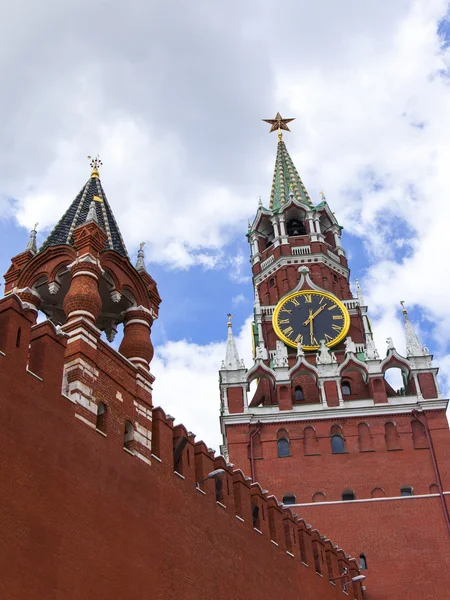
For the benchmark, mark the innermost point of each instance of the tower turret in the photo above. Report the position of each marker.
(82, 273)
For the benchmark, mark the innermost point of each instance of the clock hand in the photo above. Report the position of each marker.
(312, 316)
(311, 328)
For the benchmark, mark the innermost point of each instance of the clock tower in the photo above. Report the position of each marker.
(325, 428)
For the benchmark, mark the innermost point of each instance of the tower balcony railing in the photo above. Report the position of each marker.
(267, 262)
(351, 303)
(301, 250)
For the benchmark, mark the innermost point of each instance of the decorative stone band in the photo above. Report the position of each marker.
(81, 313)
(142, 321)
(88, 273)
(137, 359)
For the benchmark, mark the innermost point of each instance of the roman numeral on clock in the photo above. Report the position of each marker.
(299, 339)
(332, 307)
(282, 321)
(288, 331)
(286, 310)
(308, 298)
(338, 317)
(337, 328)
(328, 338)
(295, 302)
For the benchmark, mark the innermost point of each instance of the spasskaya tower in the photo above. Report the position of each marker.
(325, 430)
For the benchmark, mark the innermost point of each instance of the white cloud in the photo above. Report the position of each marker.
(239, 299)
(171, 98)
(187, 382)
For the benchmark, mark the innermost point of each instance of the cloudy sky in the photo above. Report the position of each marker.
(171, 95)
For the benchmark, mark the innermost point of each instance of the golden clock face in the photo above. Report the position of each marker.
(309, 317)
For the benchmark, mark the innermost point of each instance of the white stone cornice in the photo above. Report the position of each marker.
(285, 260)
(358, 409)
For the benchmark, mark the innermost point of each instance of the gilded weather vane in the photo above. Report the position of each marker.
(95, 163)
(278, 124)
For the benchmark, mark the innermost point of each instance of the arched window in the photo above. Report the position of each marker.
(295, 227)
(19, 335)
(271, 282)
(406, 490)
(283, 448)
(101, 417)
(337, 440)
(311, 444)
(299, 394)
(391, 436)
(378, 492)
(337, 444)
(348, 495)
(346, 388)
(365, 440)
(268, 243)
(319, 497)
(289, 499)
(128, 435)
(418, 435)
(363, 562)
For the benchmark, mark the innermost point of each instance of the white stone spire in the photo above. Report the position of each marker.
(140, 263)
(92, 213)
(359, 292)
(232, 361)
(31, 246)
(413, 347)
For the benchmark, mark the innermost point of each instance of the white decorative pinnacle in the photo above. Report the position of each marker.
(324, 355)
(92, 214)
(350, 347)
(31, 246)
(359, 292)
(140, 263)
(390, 344)
(413, 346)
(371, 351)
(281, 355)
(232, 361)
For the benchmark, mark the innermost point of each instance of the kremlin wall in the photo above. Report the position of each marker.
(90, 510)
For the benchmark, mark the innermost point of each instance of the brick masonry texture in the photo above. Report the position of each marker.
(82, 518)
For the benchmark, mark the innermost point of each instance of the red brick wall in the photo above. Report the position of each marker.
(395, 535)
(82, 518)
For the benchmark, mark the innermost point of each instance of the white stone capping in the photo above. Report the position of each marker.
(88, 273)
(142, 457)
(82, 320)
(141, 321)
(91, 425)
(83, 338)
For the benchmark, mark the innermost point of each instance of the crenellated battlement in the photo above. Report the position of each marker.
(89, 400)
